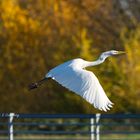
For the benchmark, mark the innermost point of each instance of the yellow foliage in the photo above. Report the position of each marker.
(131, 67)
(16, 16)
(83, 42)
(36, 35)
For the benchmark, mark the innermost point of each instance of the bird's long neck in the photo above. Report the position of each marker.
(100, 60)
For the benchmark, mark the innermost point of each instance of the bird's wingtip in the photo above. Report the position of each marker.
(107, 107)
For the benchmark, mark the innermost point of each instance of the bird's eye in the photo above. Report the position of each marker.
(115, 52)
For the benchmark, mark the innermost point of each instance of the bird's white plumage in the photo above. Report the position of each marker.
(72, 76)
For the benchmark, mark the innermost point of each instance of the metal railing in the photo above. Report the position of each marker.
(87, 126)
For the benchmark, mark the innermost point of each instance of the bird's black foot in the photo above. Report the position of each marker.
(33, 86)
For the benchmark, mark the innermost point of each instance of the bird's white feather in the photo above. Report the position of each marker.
(83, 82)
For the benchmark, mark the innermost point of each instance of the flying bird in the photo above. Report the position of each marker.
(73, 75)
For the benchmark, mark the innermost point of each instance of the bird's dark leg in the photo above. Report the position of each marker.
(37, 84)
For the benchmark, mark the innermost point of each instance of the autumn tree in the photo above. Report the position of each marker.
(36, 35)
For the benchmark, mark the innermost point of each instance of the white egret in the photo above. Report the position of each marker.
(72, 75)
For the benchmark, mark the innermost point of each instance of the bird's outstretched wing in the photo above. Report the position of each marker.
(85, 84)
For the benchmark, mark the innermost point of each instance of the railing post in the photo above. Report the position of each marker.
(97, 126)
(92, 128)
(10, 126)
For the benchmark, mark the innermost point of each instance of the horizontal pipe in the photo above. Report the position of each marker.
(68, 132)
(78, 116)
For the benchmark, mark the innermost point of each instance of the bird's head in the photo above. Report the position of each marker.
(113, 52)
(106, 54)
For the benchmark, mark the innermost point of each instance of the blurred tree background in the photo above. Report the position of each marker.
(36, 35)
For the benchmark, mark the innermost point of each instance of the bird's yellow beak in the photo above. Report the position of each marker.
(121, 52)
